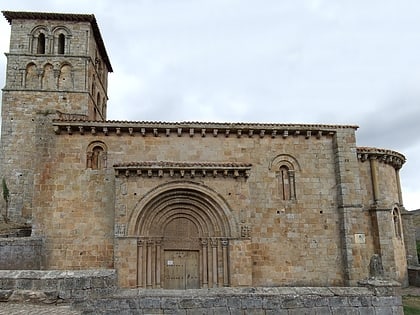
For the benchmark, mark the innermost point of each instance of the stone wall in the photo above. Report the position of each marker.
(264, 301)
(19, 253)
(54, 285)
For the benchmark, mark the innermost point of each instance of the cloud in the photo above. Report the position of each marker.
(393, 124)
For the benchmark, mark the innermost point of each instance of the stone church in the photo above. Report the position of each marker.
(183, 204)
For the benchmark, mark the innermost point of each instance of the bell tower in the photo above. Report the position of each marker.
(57, 67)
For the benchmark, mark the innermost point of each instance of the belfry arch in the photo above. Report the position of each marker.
(183, 231)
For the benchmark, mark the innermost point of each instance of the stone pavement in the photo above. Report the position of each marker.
(35, 309)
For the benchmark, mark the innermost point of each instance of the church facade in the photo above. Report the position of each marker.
(182, 205)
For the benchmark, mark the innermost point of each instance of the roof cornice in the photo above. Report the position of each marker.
(202, 129)
(183, 169)
(393, 158)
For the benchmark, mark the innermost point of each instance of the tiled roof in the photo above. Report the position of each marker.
(199, 123)
(90, 18)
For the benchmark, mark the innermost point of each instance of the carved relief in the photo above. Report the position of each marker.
(245, 231)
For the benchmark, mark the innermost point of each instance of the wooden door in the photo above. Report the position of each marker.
(181, 269)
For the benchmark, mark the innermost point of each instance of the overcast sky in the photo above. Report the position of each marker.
(316, 61)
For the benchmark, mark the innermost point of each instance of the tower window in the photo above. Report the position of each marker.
(41, 44)
(61, 43)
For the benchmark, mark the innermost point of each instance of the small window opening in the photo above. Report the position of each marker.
(397, 222)
(287, 184)
(61, 43)
(284, 183)
(96, 162)
(96, 156)
(41, 44)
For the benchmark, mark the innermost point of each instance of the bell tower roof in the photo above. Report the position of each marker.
(90, 18)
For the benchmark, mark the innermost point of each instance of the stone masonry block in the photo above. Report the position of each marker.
(340, 310)
(149, 302)
(5, 294)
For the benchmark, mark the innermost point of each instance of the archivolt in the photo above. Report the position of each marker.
(207, 209)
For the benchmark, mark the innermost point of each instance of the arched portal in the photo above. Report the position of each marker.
(183, 232)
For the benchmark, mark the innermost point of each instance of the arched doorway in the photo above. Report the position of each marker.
(183, 231)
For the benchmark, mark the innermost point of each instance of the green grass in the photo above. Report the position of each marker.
(411, 305)
(411, 310)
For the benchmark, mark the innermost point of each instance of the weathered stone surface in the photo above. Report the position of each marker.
(241, 301)
(250, 200)
(20, 253)
(5, 294)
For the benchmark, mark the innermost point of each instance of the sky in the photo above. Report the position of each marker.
(298, 61)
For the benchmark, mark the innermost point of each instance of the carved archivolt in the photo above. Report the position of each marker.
(284, 160)
(181, 217)
(201, 205)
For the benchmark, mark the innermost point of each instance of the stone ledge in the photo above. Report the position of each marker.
(55, 285)
(302, 300)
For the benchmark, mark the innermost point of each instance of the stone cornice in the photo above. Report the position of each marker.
(183, 169)
(382, 155)
(201, 129)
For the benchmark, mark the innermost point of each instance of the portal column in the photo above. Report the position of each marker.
(204, 243)
(149, 264)
(214, 264)
(225, 243)
(158, 255)
(140, 244)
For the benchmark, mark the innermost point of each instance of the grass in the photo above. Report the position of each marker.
(411, 305)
